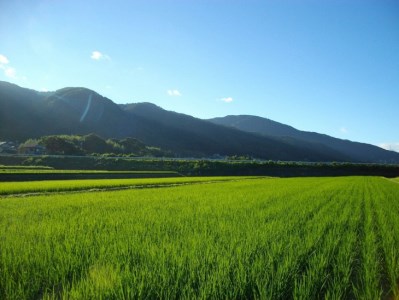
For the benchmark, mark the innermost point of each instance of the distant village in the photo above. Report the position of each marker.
(27, 148)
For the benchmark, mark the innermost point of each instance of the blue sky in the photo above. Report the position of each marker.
(326, 66)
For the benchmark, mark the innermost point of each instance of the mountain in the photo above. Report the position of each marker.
(83, 111)
(26, 113)
(355, 151)
(177, 131)
(19, 109)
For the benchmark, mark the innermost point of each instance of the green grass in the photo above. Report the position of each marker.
(52, 171)
(51, 186)
(19, 167)
(301, 238)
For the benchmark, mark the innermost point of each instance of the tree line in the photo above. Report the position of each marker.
(204, 167)
(93, 144)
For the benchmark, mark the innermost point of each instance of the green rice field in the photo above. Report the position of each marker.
(237, 238)
(51, 186)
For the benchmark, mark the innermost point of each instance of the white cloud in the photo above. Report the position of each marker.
(227, 99)
(10, 72)
(173, 93)
(343, 130)
(3, 60)
(97, 55)
(390, 146)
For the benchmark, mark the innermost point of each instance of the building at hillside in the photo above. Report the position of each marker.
(31, 148)
(7, 147)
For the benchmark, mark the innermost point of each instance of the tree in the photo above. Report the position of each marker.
(132, 145)
(94, 144)
(59, 145)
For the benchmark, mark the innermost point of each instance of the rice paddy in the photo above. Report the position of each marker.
(297, 238)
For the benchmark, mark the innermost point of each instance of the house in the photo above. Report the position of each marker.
(7, 147)
(32, 148)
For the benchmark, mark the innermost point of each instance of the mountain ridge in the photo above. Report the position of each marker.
(26, 113)
(267, 127)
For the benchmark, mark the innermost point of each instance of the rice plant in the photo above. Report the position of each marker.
(298, 238)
